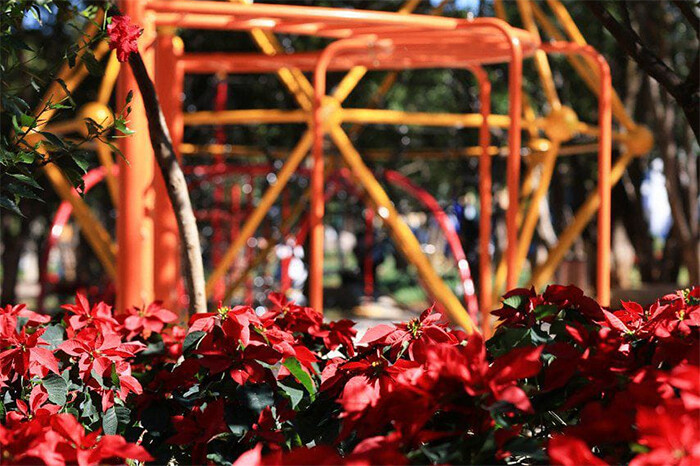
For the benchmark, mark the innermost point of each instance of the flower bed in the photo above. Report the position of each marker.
(562, 380)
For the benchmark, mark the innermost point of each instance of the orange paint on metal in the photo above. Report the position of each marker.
(604, 161)
(135, 235)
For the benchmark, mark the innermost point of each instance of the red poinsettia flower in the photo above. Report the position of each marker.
(81, 315)
(430, 328)
(671, 434)
(25, 354)
(97, 354)
(20, 310)
(38, 407)
(570, 451)
(198, 428)
(123, 37)
(85, 449)
(291, 317)
(673, 317)
(148, 320)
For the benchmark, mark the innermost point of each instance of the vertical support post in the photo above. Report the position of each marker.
(317, 200)
(605, 175)
(136, 197)
(217, 222)
(285, 281)
(485, 200)
(368, 264)
(515, 73)
(604, 181)
(169, 78)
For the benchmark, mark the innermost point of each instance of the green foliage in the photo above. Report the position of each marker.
(25, 143)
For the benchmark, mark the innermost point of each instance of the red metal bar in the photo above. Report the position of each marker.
(317, 202)
(515, 77)
(604, 161)
(485, 201)
(285, 281)
(425, 198)
(369, 246)
(217, 240)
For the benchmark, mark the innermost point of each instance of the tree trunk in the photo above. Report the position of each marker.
(176, 186)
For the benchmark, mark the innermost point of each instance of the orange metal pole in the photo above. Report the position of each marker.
(485, 200)
(169, 80)
(136, 195)
(604, 161)
(515, 75)
(317, 200)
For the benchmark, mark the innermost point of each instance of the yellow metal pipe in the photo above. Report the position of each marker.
(263, 254)
(109, 79)
(245, 117)
(90, 227)
(356, 73)
(543, 273)
(71, 78)
(370, 154)
(104, 153)
(527, 227)
(397, 117)
(258, 214)
(541, 62)
(65, 127)
(403, 237)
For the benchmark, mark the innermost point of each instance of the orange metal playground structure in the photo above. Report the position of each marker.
(146, 266)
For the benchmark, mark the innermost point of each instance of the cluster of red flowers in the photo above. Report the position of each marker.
(562, 380)
(64, 383)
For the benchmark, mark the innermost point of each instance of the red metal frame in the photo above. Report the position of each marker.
(377, 40)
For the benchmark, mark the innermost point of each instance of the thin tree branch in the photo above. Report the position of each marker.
(176, 187)
(651, 64)
(632, 44)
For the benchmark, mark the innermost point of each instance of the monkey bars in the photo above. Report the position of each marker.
(361, 40)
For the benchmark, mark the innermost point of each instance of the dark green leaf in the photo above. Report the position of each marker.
(57, 389)
(9, 204)
(294, 367)
(110, 421)
(53, 335)
(515, 301)
(192, 340)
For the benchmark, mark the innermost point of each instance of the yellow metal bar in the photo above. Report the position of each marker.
(65, 127)
(256, 217)
(543, 273)
(109, 79)
(370, 154)
(397, 117)
(500, 10)
(90, 227)
(541, 62)
(403, 237)
(264, 253)
(104, 153)
(349, 82)
(527, 228)
(246, 117)
(71, 78)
